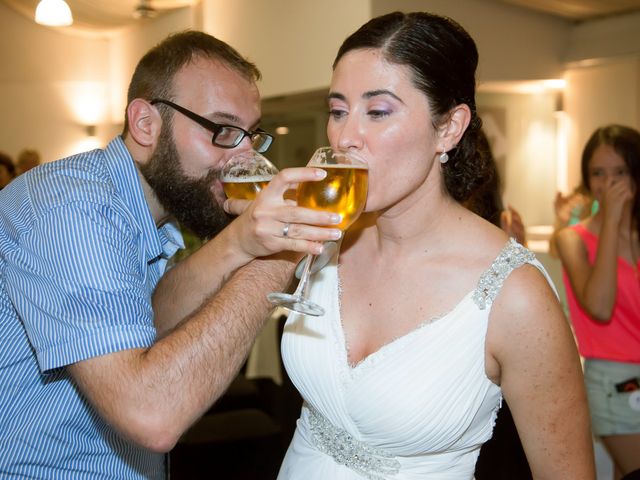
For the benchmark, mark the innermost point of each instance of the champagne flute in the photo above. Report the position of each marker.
(343, 191)
(245, 174)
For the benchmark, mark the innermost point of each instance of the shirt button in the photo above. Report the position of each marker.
(634, 400)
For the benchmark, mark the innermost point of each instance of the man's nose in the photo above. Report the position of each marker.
(245, 145)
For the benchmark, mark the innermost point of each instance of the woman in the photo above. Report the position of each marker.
(600, 260)
(433, 314)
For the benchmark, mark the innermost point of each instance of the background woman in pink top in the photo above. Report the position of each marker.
(601, 273)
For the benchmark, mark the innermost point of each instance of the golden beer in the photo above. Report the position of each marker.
(343, 191)
(244, 188)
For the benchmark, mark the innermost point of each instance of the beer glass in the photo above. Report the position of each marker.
(245, 174)
(342, 191)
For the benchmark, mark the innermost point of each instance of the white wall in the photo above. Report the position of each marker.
(54, 83)
(44, 77)
(529, 176)
(599, 94)
(605, 38)
(514, 44)
(128, 47)
(603, 80)
(293, 42)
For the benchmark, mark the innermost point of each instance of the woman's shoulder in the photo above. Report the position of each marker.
(527, 301)
(526, 306)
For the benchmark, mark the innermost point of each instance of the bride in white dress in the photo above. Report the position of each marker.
(433, 314)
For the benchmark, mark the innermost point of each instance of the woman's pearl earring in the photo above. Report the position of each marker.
(444, 157)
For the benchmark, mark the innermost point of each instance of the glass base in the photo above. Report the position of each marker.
(296, 303)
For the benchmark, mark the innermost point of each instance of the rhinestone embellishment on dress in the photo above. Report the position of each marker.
(512, 256)
(373, 463)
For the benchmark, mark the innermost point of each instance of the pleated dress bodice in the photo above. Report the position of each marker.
(419, 407)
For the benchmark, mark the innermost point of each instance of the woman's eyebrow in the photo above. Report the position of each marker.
(375, 93)
(365, 95)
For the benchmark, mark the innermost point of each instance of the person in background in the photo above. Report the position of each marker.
(601, 271)
(27, 159)
(433, 314)
(7, 170)
(89, 387)
(569, 210)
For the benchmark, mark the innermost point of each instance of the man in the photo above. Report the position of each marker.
(88, 387)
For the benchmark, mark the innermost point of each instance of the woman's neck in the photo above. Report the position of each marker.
(416, 224)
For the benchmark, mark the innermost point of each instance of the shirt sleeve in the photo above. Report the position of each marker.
(78, 280)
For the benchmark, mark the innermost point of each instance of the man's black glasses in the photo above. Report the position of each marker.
(224, 136)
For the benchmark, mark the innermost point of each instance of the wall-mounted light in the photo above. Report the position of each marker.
(89, 142)
(282, 130)
(53, 13)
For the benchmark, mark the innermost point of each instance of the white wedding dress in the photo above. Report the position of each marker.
(418, 408)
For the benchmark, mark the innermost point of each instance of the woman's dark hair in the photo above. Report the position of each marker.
(443, 59)
(626, 142)
(486, 199)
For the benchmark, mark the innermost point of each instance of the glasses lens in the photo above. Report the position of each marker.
(228, 136)
(261, 141)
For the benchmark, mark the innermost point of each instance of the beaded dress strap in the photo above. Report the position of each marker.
(373, 463)
(512, 256)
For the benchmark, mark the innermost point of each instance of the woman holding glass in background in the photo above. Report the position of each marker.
(601, 272)
(432, 313)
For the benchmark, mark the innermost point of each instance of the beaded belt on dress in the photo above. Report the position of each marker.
(373, 463)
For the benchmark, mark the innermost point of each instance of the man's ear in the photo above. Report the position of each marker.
(454, 127)
(145, 122)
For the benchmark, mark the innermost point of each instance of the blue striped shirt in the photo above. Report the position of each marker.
(80, 256)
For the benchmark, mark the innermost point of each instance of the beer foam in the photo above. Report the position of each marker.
(253, 179)
(340, 165)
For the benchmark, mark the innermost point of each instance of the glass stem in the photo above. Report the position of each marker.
(304, 278)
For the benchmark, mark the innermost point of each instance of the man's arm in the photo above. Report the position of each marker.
(211, 308)
(256, 232)
(153, 395)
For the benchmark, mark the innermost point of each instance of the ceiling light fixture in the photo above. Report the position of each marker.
(53, 13)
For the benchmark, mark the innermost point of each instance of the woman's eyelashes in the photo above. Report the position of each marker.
(373, 113)
(378, 114)
(337, 114)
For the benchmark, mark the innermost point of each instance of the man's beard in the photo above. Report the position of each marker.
(190, 200)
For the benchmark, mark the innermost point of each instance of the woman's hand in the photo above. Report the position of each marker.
(511, 222)
(564, 207)
(272, 223)
(616, 196)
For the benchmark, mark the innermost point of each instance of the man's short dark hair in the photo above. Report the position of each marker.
(154, 74)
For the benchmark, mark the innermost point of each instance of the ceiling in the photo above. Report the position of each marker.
(579, 10)
(106, 14)
(97, 15)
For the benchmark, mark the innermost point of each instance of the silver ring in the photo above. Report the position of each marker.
(285, 230)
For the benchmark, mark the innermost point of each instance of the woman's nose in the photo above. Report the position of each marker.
(350, 134)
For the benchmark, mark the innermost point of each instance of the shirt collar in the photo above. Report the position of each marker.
(159, 242)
